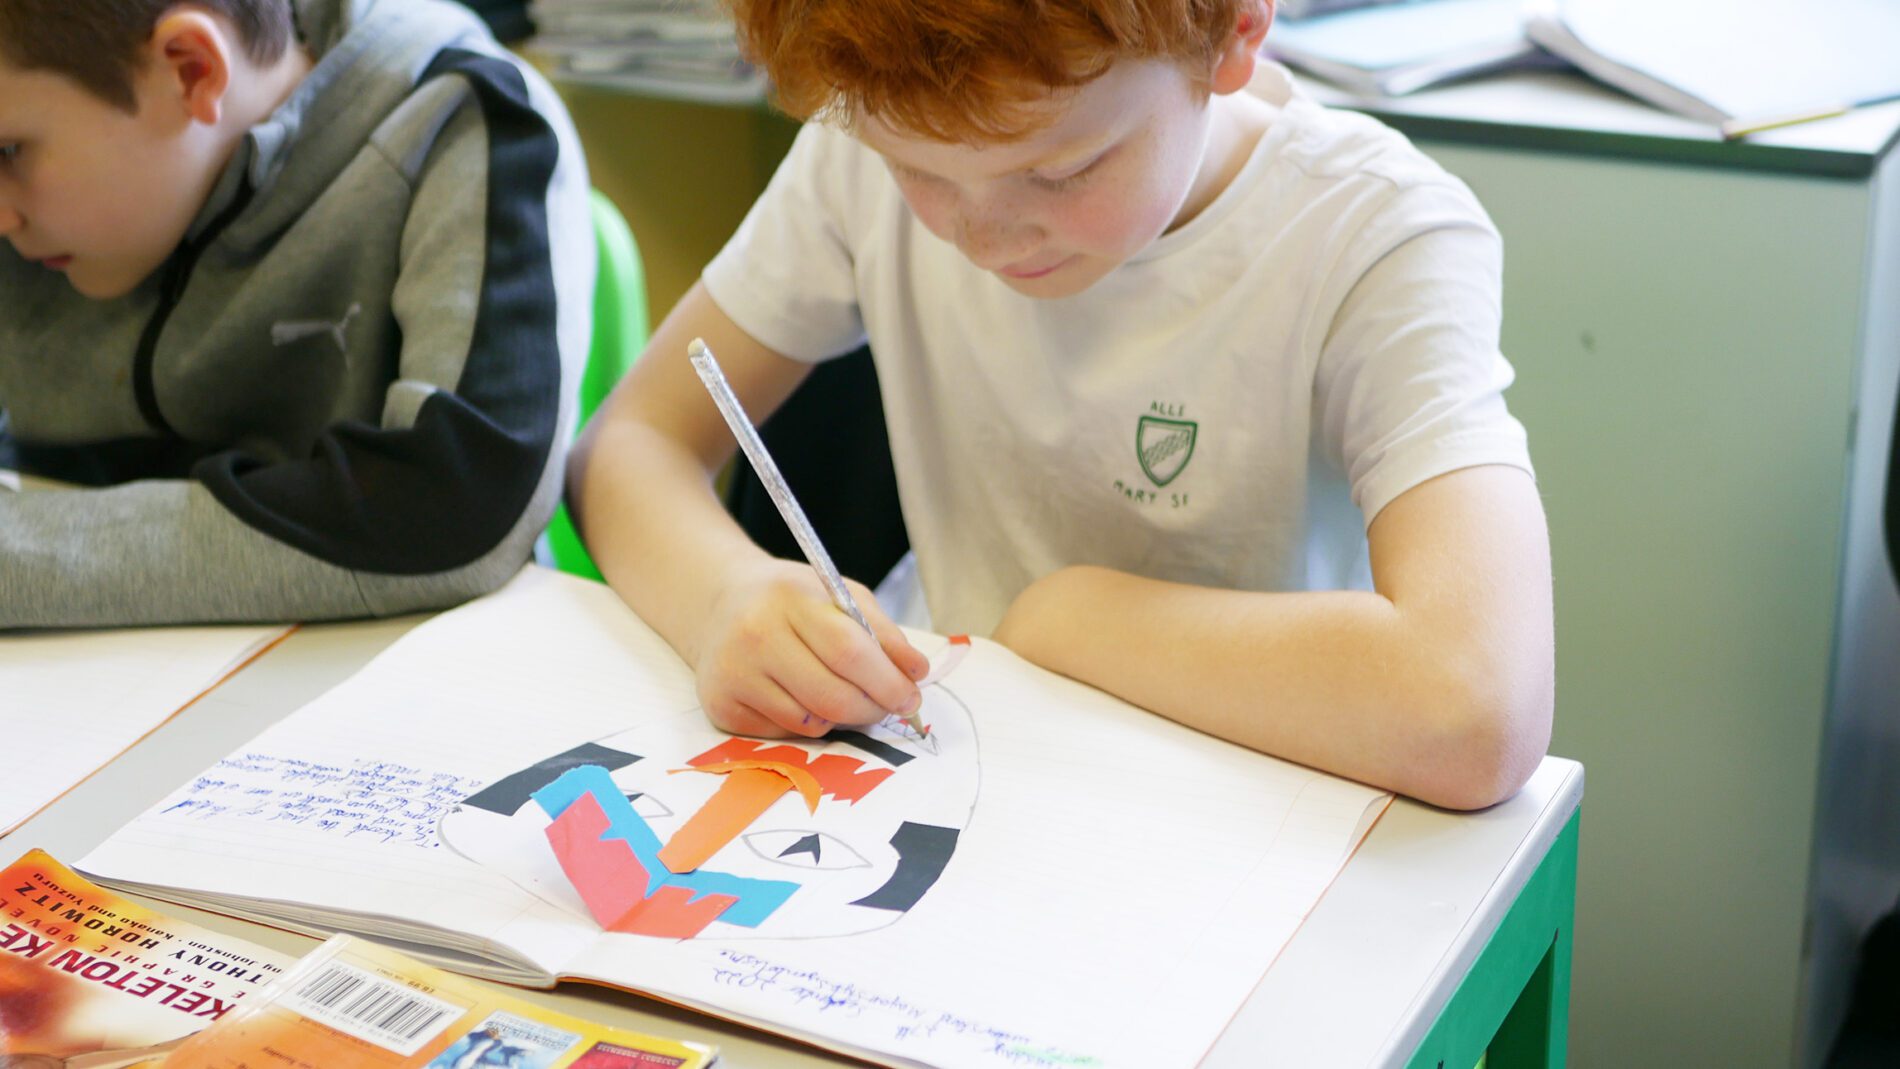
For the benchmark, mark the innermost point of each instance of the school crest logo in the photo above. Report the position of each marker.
(1164, 447)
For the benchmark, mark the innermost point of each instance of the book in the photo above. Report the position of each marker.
(1736, 62)
(1395, 49)
(1067, 880)
(77, 699)
(355, 1003)
(88, 978)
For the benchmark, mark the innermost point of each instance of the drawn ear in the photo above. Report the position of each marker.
(923, 851)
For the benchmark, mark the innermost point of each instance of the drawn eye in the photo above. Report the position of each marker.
(804, 849)
(648, 806)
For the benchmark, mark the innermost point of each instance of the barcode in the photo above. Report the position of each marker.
(367, 1006)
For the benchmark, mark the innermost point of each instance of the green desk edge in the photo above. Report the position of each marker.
(1512, 1009)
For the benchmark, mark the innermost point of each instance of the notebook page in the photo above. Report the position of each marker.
(1122, 886)
(70, 702)
(1749, 58)
(337, 804)
(1115, 867)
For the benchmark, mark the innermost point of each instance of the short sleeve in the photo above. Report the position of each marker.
(787, 275)
(1410, 381)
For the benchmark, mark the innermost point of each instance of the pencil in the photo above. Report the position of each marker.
(753, 446)
(1742, 126)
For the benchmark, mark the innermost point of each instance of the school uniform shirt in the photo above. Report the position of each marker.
(348, 392)
(1229, 408)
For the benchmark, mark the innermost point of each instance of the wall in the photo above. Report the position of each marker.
(683, 174)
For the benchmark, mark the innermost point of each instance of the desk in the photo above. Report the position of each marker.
(1364, 982)
(1707, 339)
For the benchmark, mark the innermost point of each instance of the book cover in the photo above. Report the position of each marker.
(360, 1004)
(85, 972)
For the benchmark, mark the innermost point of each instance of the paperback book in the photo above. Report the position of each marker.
(89, 979)
(355, 1003)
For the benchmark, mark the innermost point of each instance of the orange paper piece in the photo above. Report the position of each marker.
(804, 782)
(742, 799)
(843, 778)
(673, 913)
(755, 778)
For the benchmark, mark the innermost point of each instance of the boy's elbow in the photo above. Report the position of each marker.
(1488, 737)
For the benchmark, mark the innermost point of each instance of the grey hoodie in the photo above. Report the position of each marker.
(349, 391)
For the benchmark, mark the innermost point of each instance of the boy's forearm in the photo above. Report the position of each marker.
(1343, 681)
(163, 551)
(647, 510)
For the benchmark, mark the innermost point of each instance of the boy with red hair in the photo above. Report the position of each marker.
(1193, 385)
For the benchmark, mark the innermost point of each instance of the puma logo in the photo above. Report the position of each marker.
(297, 330)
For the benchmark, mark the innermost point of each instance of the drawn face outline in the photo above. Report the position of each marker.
(902, 826)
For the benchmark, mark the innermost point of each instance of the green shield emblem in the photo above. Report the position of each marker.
(1164, 447)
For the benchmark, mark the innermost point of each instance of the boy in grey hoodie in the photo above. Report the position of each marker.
(293, 296)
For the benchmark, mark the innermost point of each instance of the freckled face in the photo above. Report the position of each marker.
(1123, 160)
(91, 191)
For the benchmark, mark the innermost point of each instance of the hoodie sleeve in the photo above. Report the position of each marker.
(443, 498)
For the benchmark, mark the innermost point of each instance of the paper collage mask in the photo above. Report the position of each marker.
(677, 830)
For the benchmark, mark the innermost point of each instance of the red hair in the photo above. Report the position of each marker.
(966, 70)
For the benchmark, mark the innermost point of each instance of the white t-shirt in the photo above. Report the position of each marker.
(1229, 408)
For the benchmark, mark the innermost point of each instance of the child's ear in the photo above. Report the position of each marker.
(1233, 68)
(191, 58)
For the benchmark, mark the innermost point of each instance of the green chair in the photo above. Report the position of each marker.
(620, 332)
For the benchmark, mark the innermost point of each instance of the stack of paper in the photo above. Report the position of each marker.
(76, 700)
(684, 49)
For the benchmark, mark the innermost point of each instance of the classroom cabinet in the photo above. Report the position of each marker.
(1707, 341)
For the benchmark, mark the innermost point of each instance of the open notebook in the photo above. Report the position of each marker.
(1736, 63)
(1395, 49)
(74, 700)
(1067, 881)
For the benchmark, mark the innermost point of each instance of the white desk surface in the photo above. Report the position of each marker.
(1359, 984)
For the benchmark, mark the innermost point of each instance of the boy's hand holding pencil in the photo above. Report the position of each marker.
(780, 659)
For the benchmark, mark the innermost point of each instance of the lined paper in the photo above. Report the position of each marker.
(1122, 884)
(72, 701)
